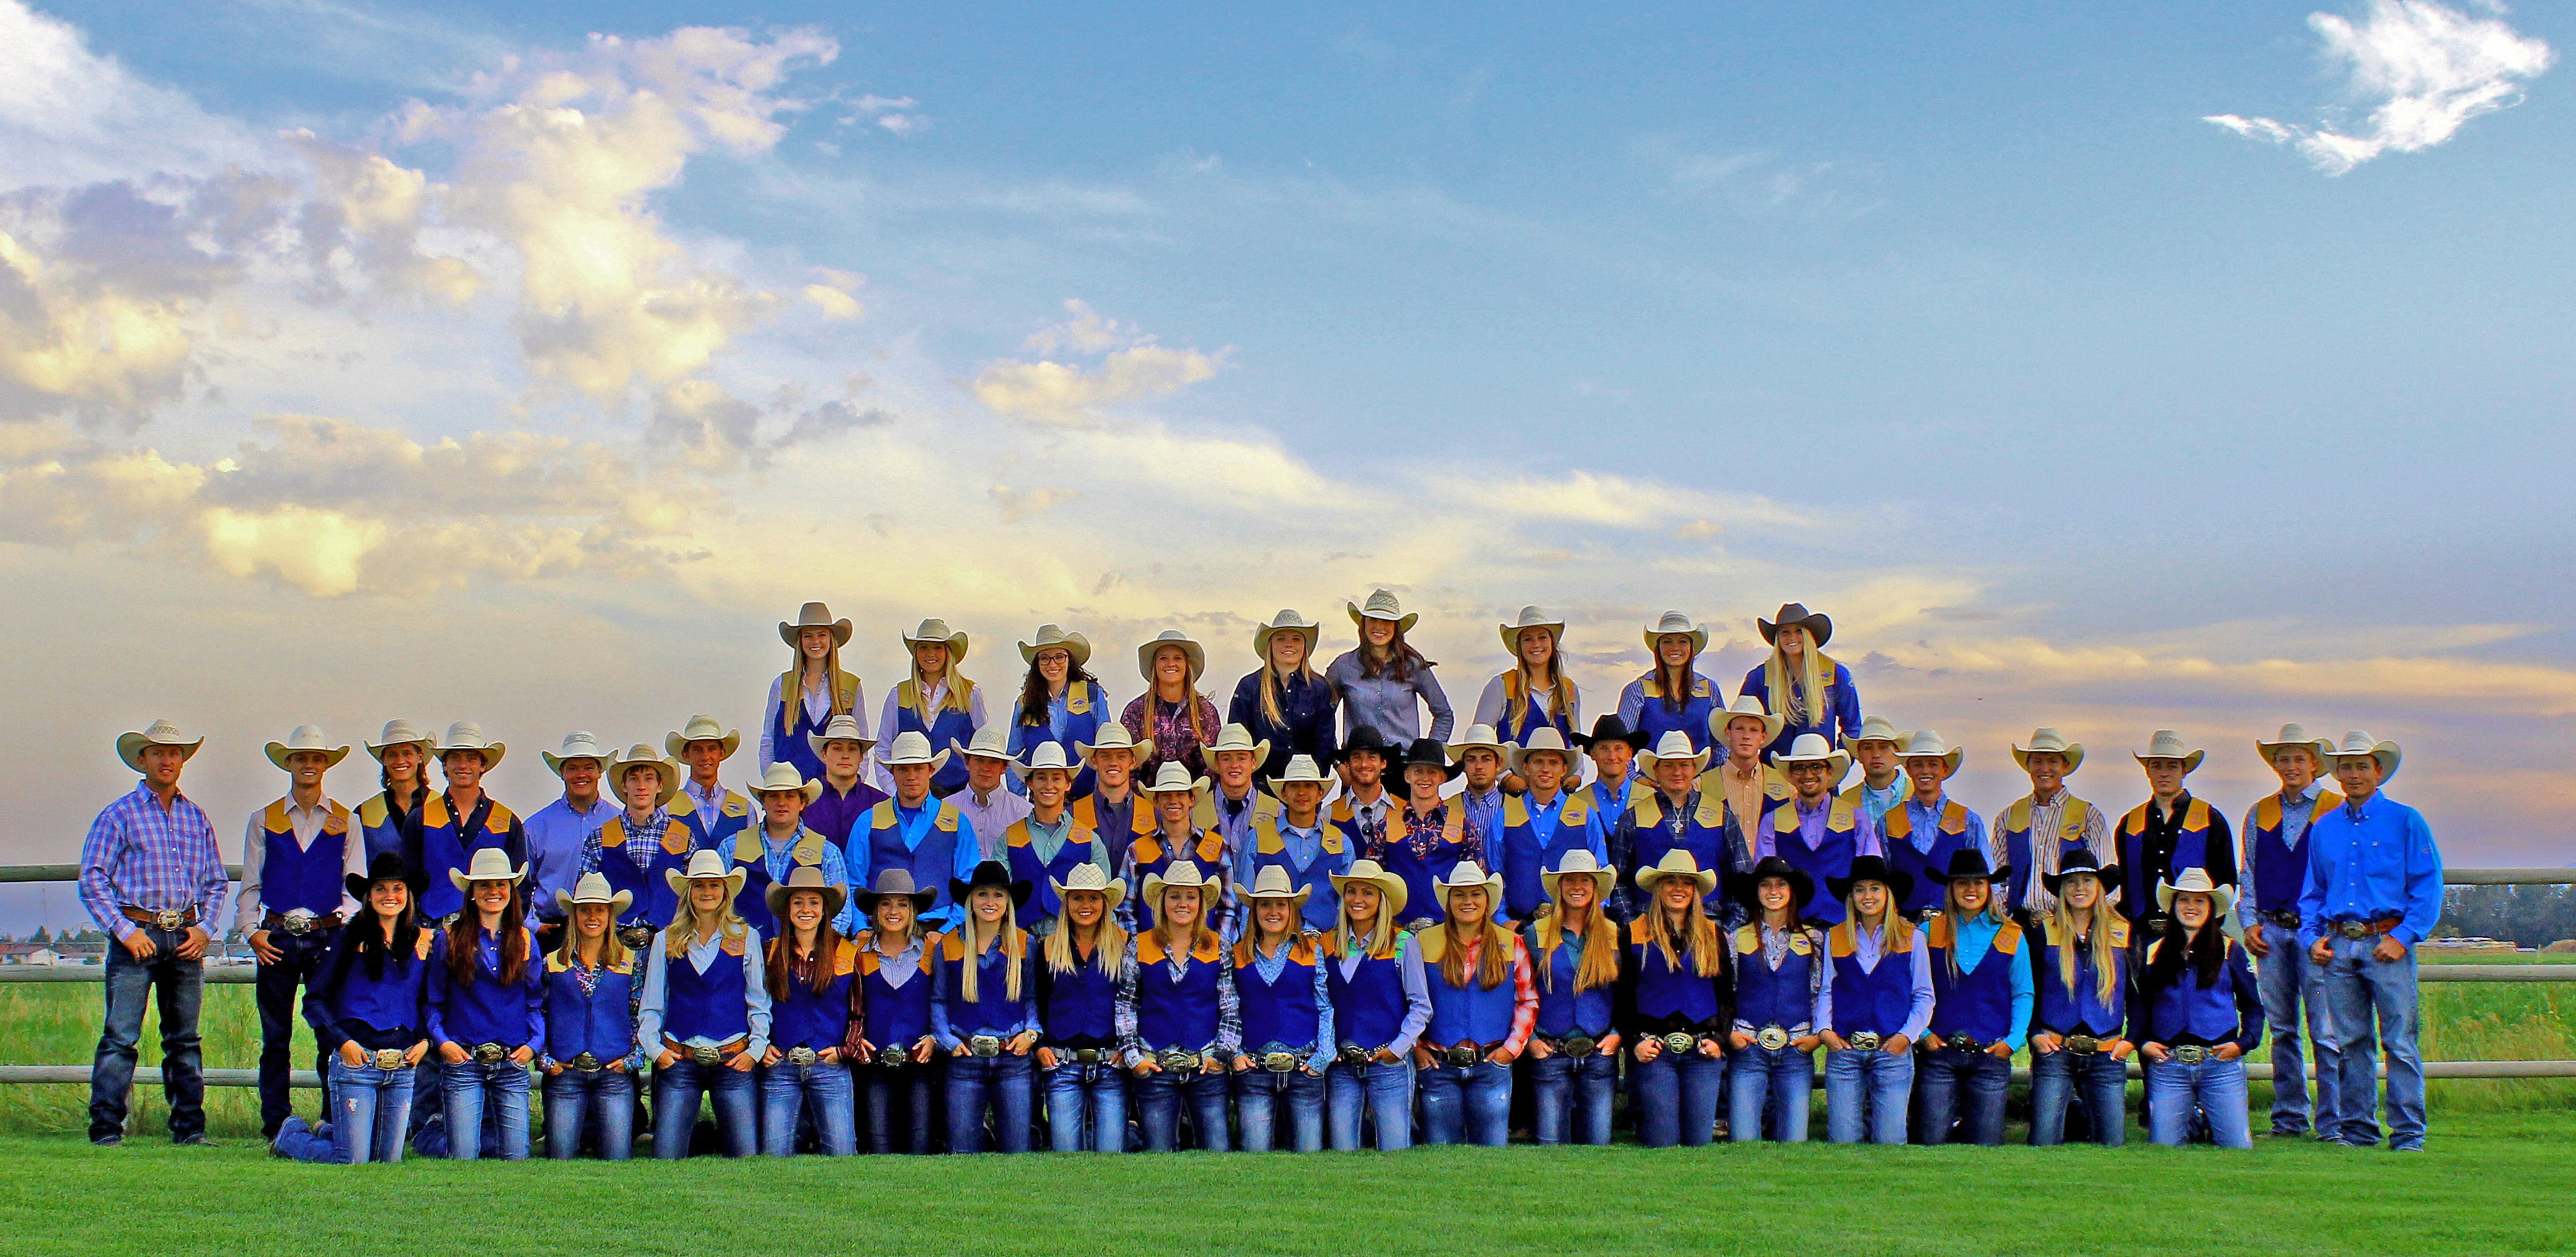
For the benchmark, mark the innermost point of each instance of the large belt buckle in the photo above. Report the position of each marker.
(1461, 1055)
(298, 922)
(170, 918)
(587, 1063)
(1772, 1038)
(2285, 919)
(1179, 1062)
(2083, 1044)
(706, 1054)
(388, 1059)
(636, 937)
(801, 1055)
(490, 1053)
(448, 920)
(2353, 929)
(2191, 1054)
(1680, 1041)
(1577, 1044)
(1086, 1056)
(1354, 1054)
(1866, 1040)
(1279, 1062)
(985, 1045)
(1963, 1043)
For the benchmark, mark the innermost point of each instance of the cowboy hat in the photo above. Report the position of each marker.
(1172, 777)
(1672, 622)
(387, 866)
(1193, 655)
(1873, 729)
(1382, 605)
(1478, 738)
(1812, 748)
(1053, 637)
(2052, 742)
(465, 735)
(842, 728)
(1610, 728)
(1091, 877)
(2167, 744)
(1796, 615)
(701, 729)
(576, 745)
(2082, 860)
(1579, 863)
(1429, 753)
(706, 864)
(1301, 768)
(911, 747)
(1463, 875)
(1968, 863)
(814, 615)
(890, 881)
(1872, 868)
(990, 742)
(1111, 736)
(1184, 874)
(129, 747)
(1531, 617)
(490, 864)
(1367, 738)
(1045, 755)
(935, 629)
(782, 777)
(2221, 895)
(1929, 744)
(593, 888)
(1675, 744)
(641, 755)
(1287, 621)
(1543, 740)
(1802, 888)
(1676, 863)
(803, 877)
(1751, 708)
(1390, 888)
(401, 733)
(1272, 882)
(2296, 736)
(307, 738)
(2359, 742)
(1235, 737)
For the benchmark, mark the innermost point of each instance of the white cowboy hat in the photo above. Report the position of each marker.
(783, 777)
(465, 735)
(1531, 617)
(490, 864)
(2359, 742)
(935, 629)
(1171, 778)
(1675, 744)
(990, 742)
(2297, 735)
(1238, 738)
(1873, 729)
(402, 733)
(1390, 888)
(1193, 655)
(1272, 882)
(1750, 706)
(2167, 744)
(1053, 637)
(1287, 621)
(706, 864)
(1480, 738)
(1043, 755)
(1089, 876)
(1544, 739)
(1812, 748)
(129, 747)
(1676, 863)
(814, 615)
(911, 747)
(593, 888)
(2053, 742)
(307, 738)
(1579, 863)
(1301, 768)
(1182, 873)
(1382, 605)
(641, 755)
(576, 745)
(1929, 744)
(1111, 736)
(1675, 622)
(701, 729)
(2222, 896)
(1464, 874)
(842, 728)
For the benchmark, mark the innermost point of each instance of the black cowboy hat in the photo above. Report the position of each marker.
(1610, 729)
(2082, 860)
(388, 867)
(1801, 887)
(1871, 868)
(991, 873)
(891, 883)
(1969, 862)
(1367, 738)
(1818, 625)
(1428, 753)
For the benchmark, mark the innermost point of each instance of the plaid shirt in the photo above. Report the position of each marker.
(142, 855)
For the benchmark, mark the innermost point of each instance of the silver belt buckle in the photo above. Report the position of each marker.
(2083, 1044)
(170, 918)
(388, 1059)
(2191, 1054)
(1086, 1056)
(490, 1053)
(299, 921)
(585, 1063)
(1866, 1040)
(706, 1054)
(1577, 1044)
(2285, 919)
(1354, 1054)
(1279, 1062)
(2353, 929)
(1179, 1062)
(636, 937)
(1462, 1054)
(1772, 1038)
(1680, 1041)
(801, 1055)
(985, 1045)
(1963, 1043)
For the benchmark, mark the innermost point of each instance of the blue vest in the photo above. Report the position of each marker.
(443, 850)
(1083, 706)
(2013, 826)
(804, 1019)
(2184, 1007)
(1526, 855)
(993, 1010)
(1666, 994)
(2191, 851)
(2281, 868)
(1463, 1013)
(1831, 857)
(1703, 835)
(1923, 866)
(790, 724)
(486, 1010)
(932, 864)
(750, 854)
(1877, 999)
(1081, 846)
(1148, 855)
(1563, 1010)
(1766, 996)
(1977, 1002)
(390, 1002)
(1081, 1005)
(601, 1023)
(653, 899)
(1821, 719)
(2081, 1010)
(897, 1016)
(733, 815)
(1176, 1014)
(1653, 721)
(1285, 1011)
(1368, 1006)
(949, 728)
(714, 1005)
(1530, 718)
(1418, 873)
(293, 876)
(1332, 855)
(376, 824)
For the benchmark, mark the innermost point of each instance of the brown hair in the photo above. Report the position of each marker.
(465, 932)
(1600, 964)
(778, 971)
(1698, 941)
(1494, 965)
(1400, 661)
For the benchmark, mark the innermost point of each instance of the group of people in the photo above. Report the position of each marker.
(1309, 923)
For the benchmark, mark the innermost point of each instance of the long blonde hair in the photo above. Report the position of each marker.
(1799, 697)
(1894, 931)
(1699, 941)
(832, 674)
(1517, 685)
(959, 688)
(688, 925)
(1015, 948)
(1272, 683)
(1107, 945)
(612, 949)
(1380, 942)
(2100, 920)
(1246, 945)
(1491, 967)
(1600, 964)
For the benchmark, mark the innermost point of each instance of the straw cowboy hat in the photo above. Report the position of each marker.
(2082, 860)
(1872, 868)
(129, 747)
(911, 747)
(1091, 877)
(1819, 626)
(1969, 863)
(593, 888)
(307, 738)
(1464, 875)
(1238, 738)
(1609, 728)
(1675, 744)
(702, 729)
(890, 881)
(990, 742)
(490, 864)
(1382, 605)
(814, 615)
(1579, 863)
(706, 864)
(1676, 863)
(1672, 622)
(842, 728)
(1546, 739)
(1272, 882)
(1287, 621)
(2221, 895)
(1390, 888)
(1193, 655)
(1874, 729)
(577, 744)
(1111, 736)
(1301, 768)
(1531, 617)
(802, 877)
(641, 755)
(1478, 738)
(1184, 874)
(781, 778)
(2359, 742)
(401, 733)
(1052, 637)
(2297, 736)
(2167, 744)
(1171, 778)
(1429, 753)
(935, 629)
(387, 866)
(1749, 706)
(2049, 741)
(1802, 888)
(465, 735)
(1929, 744)
(1043, 755)
(1812, 748)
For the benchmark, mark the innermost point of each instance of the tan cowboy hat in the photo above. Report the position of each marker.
(702, 729)
(1746, 705)
(129, 747)
(1171, 778)
(465, 735)
(1531, 617)
(814, 615)
(1043, 755)
(1390, 888)
(1812, 748)
(593, 888)
(935, 629)
(1545, 738)
(402, 733)
(1235, 737)
(1464, 874)
(803, 877)
(2359, 742)
(307, 738)
(490, 864)
(1089, 876)
(576, 745)
(1676, 863)
(1301, 768)
(781, 778)
(1795, 614)
(1193, 655)
(2297, 736)
(1480, 738)
(706, 864)
(2222, 896)
(911, 747)
(2167, 744)
(1182, 873)
(1675, 622)
(842, 728)
(990, 742)
(1287, 621)
(1929, 744)
(1111, 736)
(641, 755)
(1382, 605)
(1874, 729)
(1272, 882)
(1675, 744)
(1579, 863)
(1052, 637)
(2050, 740)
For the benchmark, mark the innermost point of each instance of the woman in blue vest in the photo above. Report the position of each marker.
(1878, 1002)
(1673, 696)
(2076, 1048)
(1178, 1021)
(590, 1060)
(1779, 1005)
(812, 977)
(935, 702)
(1286, 702)
(1811, 692)
(1981, 1002)
(1047, 845)
(895, 1050)
(391, 820)
(368, 1008)
(1538, 826)
(1173, 794)
(1060, 703)
(2198, 1013)
(1534, 691)
(642, 846)
(813, 689)
(1677, 815)
(1287, 1011)
(1381, 1002)
(985, 1013)
(1675, 969)
(1574, 1047)
(705, 1013)
(1484, 1006)
(1085, 956)
(487, 1008)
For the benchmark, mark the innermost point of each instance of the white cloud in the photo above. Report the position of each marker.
(1051, 392)
(2421, 68)
(70, 116)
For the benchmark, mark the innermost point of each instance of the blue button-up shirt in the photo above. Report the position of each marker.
(1927, 824)
(140, 854)
(2370, 860)
(1878, 802)
(557, 838)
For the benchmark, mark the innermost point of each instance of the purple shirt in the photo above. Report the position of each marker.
(833, 814)
(142, 855)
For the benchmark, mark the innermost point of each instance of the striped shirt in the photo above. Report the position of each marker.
(140, 854)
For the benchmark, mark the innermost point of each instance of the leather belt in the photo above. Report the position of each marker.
(492, 1053)
(2286, 920)
(585, 1064)
(300, 922)
(2365, 929)
(1866, 1040)
(1577, 1044)
(1079, 1056)
(1355, 1055)
(2190, 1054)
(1466, 1052)
(2083, 1044)
(985, 1045)
(707, 1053)
(1963, 1043)
(161, 918)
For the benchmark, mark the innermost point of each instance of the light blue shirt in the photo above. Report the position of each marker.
(1878, 802)
(557, 836)
(1865, 949)
(702, 957)
(1927, 824)
(1388, 705)
(1970, 938)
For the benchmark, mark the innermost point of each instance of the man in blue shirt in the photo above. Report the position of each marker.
(2373, 891)
(560, 832)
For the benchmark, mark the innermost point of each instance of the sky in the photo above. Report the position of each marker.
(2186, 365)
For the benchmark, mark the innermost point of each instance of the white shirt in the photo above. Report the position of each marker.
(991, 817)
(708, 800)
(248, 909)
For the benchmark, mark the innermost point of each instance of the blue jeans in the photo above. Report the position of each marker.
(2372, 1009)
(369, 1108)
(1777, 1081)
(1258, 1095)
(899, 1108)
(1000, 1083)
(1158, 1110)
(2215, 1089)
(675, 1107)
(1967, 1086)
(1677, 1096)
(2096, 1081)
(1359, 1096)
(1573, 1098)
(788, 1089)
(178, 987)
(1867, 1094)
(274, 987)
(1467, 1104)
(575, 1099)
(473, 1085)
(1086, 1106)
(2294, 988)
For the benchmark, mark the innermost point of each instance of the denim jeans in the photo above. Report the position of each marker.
(1867, 1095)
(1258, 1097)
(470, 1087)
(1086, 1106)
(2095, 1081)
(178, 987)
(575, 1099)
(1000, 1083)
(369, 1108)
(1360, 1096)
(1776, 1081)
(2213, 1088)
(1968, 1086)
(1677, 1095)
(676, 1089)
(822, 1089)
(1158, 1110)
(1573, 1098)
(899, 1108)
(299, 961)
(2372, 1009)
(2294, 990)
(1467, 1104)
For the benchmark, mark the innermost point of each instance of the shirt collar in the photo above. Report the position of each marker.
(2304, 794)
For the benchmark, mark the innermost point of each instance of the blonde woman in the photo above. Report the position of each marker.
(1676, 976)
(1484, 1006)
(1085, 958)
(1878, 1000)
(1381, 1002)
(1179, 1026)
(1799, 683)
(1171, 720)
(1287, 1009)
(590, 1059)
(935, 702)
(985, 1015)
(2077, 1049)
(813, 689)
(1574, 1052)
(1534, 692)
(1286, 702)
(705, 1012)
